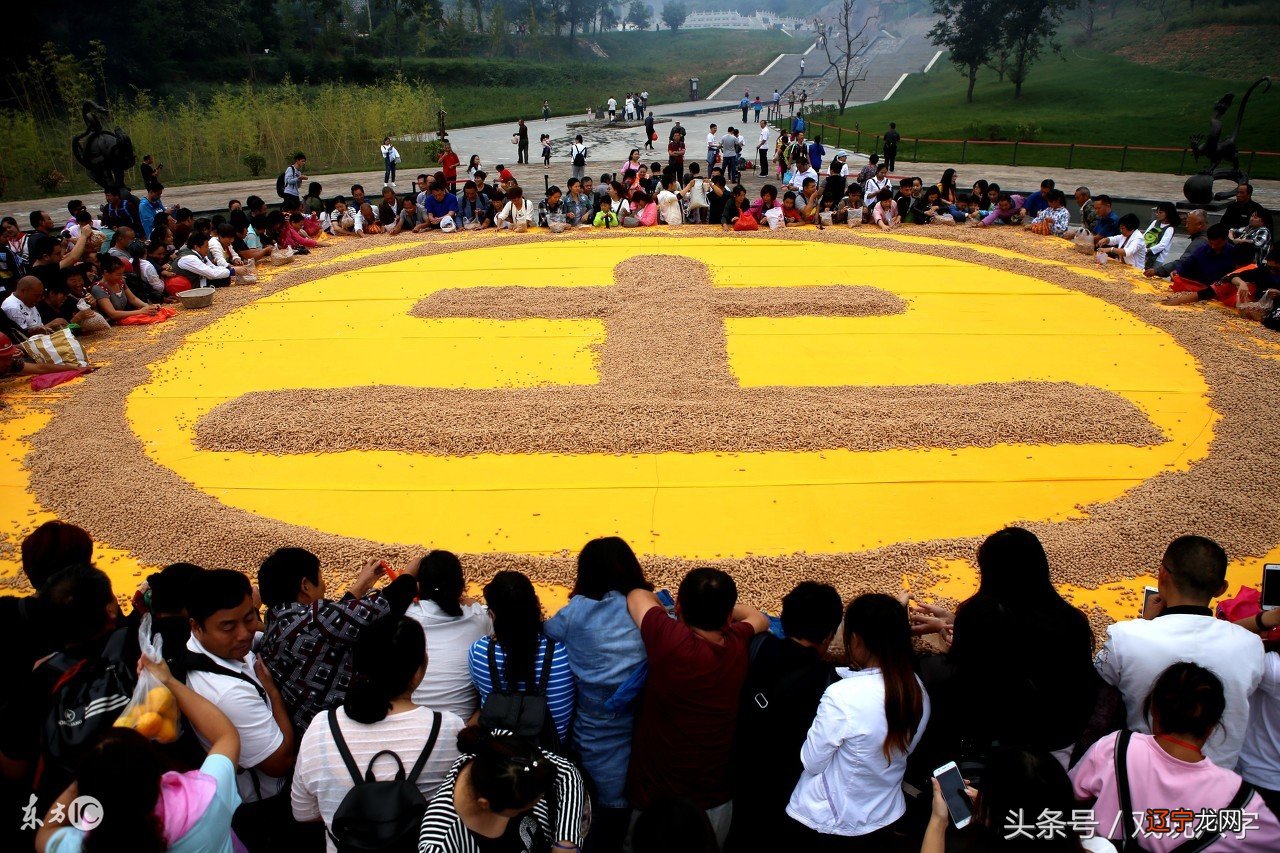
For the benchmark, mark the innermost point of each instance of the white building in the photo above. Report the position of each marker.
(726, 20)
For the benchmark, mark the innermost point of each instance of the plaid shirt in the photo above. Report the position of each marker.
(308, 647)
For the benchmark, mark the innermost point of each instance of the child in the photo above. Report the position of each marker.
(851, 206)
(885, 212)
(1054, 219)
(790, 214)
(696, 193)
(606, 218)
(545, 139)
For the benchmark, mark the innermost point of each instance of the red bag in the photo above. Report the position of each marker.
(746, 222)
(654, 136)
(160, 316)
(1246, 604)
(176, 284)
(45, 381)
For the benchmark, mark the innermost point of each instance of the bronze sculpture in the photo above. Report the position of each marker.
(1199, 187)
(105, 154)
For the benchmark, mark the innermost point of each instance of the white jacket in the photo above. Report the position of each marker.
(846, 787)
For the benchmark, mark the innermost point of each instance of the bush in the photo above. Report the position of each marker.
(50, 181)
(255, 163)
(433, 150)
(1027, 132)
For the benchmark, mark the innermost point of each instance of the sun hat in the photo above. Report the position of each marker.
(505, 175)
(841, 154)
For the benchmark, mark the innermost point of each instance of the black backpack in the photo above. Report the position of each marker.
(380, 815)
(526, 715)
(86, 699)
(280, 184)
(580, 157)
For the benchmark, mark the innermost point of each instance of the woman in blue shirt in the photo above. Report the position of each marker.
(608, 658)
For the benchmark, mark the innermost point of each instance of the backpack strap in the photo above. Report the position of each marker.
(436, 719)
(540, 689)
(343, 751)
(1122, 790)
(1202, 841)
(196, 662)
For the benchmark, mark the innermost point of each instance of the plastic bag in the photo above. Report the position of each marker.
(153, 709)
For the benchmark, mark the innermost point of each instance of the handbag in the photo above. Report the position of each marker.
(515, 139)
(698, 196)
(60, 347)
(746, 222)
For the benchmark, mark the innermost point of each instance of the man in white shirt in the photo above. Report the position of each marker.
(629, 111)
(763, 148)
(800, 172)
(20, 308)
(221, 667)
(1179, 626)
(713, 147)
(193, 261)
(669, 202)
(613, 109)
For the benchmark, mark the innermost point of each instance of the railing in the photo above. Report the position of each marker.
(1070, 155)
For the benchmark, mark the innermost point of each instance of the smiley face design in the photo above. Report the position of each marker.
(698, 397)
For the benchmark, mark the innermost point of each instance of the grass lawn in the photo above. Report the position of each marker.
(1085, 97)
(659, 62)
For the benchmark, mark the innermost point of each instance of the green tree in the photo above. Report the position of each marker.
(638, 15)
(674, 14)
(1026, 29)
(967, 30)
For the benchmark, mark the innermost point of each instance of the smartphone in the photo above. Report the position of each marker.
(1271, 586)
(952, 784)
(1147, 593)
(668, 603)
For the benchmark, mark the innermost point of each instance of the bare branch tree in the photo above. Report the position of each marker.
(843, 44)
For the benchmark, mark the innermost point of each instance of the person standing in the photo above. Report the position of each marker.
(762, 148)
(649, 133)
(758, 107)
(546, 110)
(677, 128)
(802, 66)
(293, 178)
(613, 110)
(449, 162)
(390, 159)
(150, 172)
(745, 103)
(728, 157)
(675, 156)
(578, 157)
(891, 140)
(522, 145)
(777, 104)
(713, 148)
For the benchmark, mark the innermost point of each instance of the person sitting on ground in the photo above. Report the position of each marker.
(453, 622)
(683, 745)
(1088, 213)
(1015, 782)
(930, 209)
(801, 172)
(517, 214)
(878, 181)
(222, 250)
(1241, 288)
(1207, 265)
(293, 236)
(885, 211)
(1107, 224)
(58, 306)
(149, 207)
(377, 716)
(153, 808)
(474, 208)
(514, 658)
(50, 260)
(577, 204)
(112, 297)
(1129, 245)
(1037, 201)
(369, 217)
(836, 183)
(1179, 626)
(809, 201)
(607, 657)
(309, 639)
(21, 308)
(311, 202)
(551, 206)
(388, 208)
(147, 279)
(121, 209)
(240, 228)
(1008, 211)
(440, 203)
(737, 205)
(506, 793)
(645, 210)
(786, 679)
(605, 217)
(410, 218)
(1196, 224)
(768, 200)
(669, 200)
(851, 208)
(855, 754)
(905, 199)
(1253, 242)
(339, 221)
(223, 668)
(1159, 234)
(1168, 762)
(1054, 219)
(194, 263)
(1236, 214)
(791, 215)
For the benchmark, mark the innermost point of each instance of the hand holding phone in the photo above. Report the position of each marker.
(949, 787)
(1152, 603)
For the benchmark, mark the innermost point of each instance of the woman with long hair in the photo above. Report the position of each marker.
(1159, 234)
(453, 621)
(377, 716)
(1017, 782)
(628, 170)
(990, 688)
(850, 793)
(607, 657)
(519, 648)
(473, 166)
(947, 187)
(505, 794)
(144, 808)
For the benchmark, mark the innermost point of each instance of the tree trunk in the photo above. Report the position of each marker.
(1017, 89)
(973, 77)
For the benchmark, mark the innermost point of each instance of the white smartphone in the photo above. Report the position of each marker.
(952, 784)
(1271, 586)
(1147, 593)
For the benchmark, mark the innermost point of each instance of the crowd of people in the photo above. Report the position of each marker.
(404, 714)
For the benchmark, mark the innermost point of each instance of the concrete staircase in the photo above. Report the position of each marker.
(891, 56)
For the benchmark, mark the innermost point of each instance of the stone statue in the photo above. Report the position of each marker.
(1199, 187)
(105, 154)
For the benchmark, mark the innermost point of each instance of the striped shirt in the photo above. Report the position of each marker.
(561, 687)
(444, 832)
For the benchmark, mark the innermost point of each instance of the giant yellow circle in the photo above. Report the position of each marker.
(963, 324)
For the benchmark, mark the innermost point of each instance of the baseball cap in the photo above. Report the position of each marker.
(505, 175)
(841, 154)
(7, 348)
